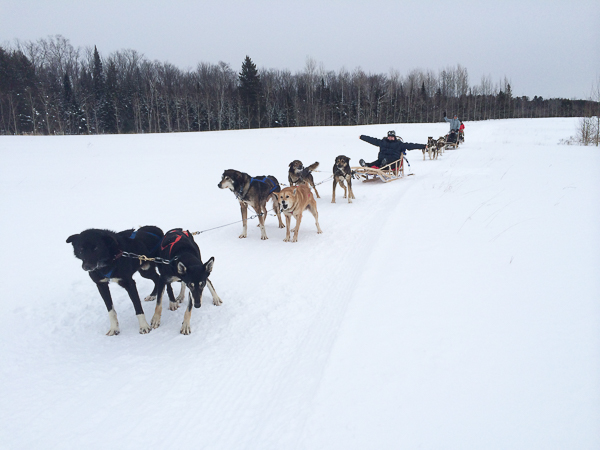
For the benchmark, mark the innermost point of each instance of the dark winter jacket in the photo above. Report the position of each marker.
(391, 150)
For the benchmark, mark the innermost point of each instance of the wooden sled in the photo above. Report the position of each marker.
(453, 145)
(387, 173)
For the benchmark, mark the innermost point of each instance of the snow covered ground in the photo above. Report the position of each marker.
(458, 308)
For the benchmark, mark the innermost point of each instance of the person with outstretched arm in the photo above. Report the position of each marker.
(390, 149)
(454, 123)
(454, 126)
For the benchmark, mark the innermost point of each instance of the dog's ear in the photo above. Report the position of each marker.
(72, 238)
(209, 264)
(181, 269)
(291, 164)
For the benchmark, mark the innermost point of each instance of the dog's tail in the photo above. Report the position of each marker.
(312, 167)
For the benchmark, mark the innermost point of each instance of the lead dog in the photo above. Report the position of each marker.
(341, 172)
(102, 254)
(185, 265)
(298, 174)
(293, 201)
(253, 191)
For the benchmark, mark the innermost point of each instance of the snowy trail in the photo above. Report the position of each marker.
(436, 302)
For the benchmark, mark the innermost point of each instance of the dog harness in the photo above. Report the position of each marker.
(158, 240)
(240, 194)
(118, 255)
(172, 237)
(252, 180)
(110, 272)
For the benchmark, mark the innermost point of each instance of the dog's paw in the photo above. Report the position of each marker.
(185, 328)
(217, 301)
(264, 238)
(243, 235)
(174, 305)
(155, 322)
(145, 329)
(281, 225)
(113, 332)
(150, 298)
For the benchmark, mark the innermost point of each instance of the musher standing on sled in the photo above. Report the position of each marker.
(454, 127)
(390, 149)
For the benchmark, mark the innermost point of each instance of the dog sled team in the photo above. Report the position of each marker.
(174, 256)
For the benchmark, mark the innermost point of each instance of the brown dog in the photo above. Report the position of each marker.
(293, 201)
(341, 172)
(298, 174)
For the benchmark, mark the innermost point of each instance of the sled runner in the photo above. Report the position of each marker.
(389, 172)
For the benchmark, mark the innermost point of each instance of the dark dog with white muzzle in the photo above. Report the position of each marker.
(184, 264)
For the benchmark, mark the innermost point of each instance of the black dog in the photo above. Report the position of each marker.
(253, 191)
(185, 265)
(102, 254)
(298, 174)
(341, 172)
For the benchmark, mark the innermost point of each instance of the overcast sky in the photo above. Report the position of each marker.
(544, 47)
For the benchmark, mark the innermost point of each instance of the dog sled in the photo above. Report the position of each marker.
(452, 140)
(387, 173)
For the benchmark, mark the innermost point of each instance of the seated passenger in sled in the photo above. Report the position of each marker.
(391, 149)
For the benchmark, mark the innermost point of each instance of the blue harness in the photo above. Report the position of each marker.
(261, 180)
(252, 180)
(109, 274)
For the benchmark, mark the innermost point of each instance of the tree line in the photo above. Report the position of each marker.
(50, 87)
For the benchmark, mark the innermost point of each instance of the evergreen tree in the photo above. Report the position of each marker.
(68, 110)
(110, 107)
(74, 115)
(249, 90)
(99, 93)
(18, 91)
(98, 77)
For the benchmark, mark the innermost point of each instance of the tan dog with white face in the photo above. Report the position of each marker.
(292, 202)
